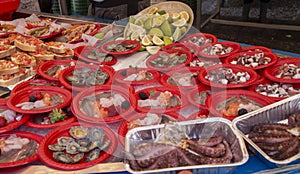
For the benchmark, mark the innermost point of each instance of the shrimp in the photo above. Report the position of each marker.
(47, 99)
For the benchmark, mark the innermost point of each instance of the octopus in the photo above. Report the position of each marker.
(255, 60)
(227, 76)
(151, 156)
(277, 140)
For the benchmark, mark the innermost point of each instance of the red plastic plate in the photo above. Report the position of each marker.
(257, 48)
(69, 71)
(123, 128)
(192, 48)
(23, 96)
(98, 27)
(192, 94)
(104, 47)
(34, 82)
(48, 64)
(272, 56)
(235, 69)
(199, 115)
(25, 161)
(98, 89)
(179, 52)
(157, 90)
(45, 154)
(184, 70)
(81, 51)
(271, 71)
(200, 35)
(14, 124)
(214, 99)
(129, 71)
(236, 48)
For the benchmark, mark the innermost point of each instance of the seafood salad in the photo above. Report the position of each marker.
(83, 145)
(199, 41)
(168, 60)
(277, 90)
(288, 71)
(186, 79)
(158, 100)
(15, 148)
(237, 106)
(255, 60)
(150, 119)
(202, 96)
(7, 116)
(87, 77)
(120, 47)
(99, 56)
(138, 76)
(41, 100)
(227, 76)
(203, 63)
(55, 70)
(104, 104)
(217, 49)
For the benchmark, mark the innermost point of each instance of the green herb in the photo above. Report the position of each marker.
(151, 92)
(56, 115)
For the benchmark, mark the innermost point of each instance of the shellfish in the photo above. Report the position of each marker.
(72, 148)
(56, 147)
(78, 157)
(63, 141)
(94, 154)
(62, 157)
(79, 132)
(96, 134)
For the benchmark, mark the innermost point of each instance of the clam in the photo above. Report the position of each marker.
(94, 154)
(72, 148)
(78, 157)
(56, 147)
(79, 132)
(63, 141)
(63, 157)
(96, 134)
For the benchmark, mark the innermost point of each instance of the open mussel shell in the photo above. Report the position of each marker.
(78, 132)
(96, 134)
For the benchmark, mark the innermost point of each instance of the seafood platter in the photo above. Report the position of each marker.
(148, 97)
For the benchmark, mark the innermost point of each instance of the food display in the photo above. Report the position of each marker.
(51, 69)
(219, 50)
(6, 27)
(288, 71)
(199, 95)
(74, 33)
(29, 44)
(94, 55)
(121, 47)
(227, 76)
(6, 50)
(200, 39)
(203, 63)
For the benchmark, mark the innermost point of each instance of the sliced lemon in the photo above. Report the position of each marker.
(175, 16)
(146, 41)
(140, 20)
(135, 36)
(166, 16)
(183, 30)
(153, 49)
(179, 23)
(166, 28)
(177, 34)
(143, 48)
(158, 20)
(167, 40)
(184, 15)
(152, 10)
(131, 19)
(156, 31)
(148, 23)
(157, 41)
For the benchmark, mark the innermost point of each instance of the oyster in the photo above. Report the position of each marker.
(63, 141)
(94, 154)
(62, 157)
(78, 157)
(56, 147)
(96, 134)
(72, 148)
(104, 145)
(83, 142)
(79, 132)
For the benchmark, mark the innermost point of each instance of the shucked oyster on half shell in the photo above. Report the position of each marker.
(79, 132)
(96, 134)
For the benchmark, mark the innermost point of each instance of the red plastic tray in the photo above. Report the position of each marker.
(82, 50)
(235, 68)
(272, 70)
(23, 96)
(45, 154)
(103, 47)
(179, 52)
(120, 78)
(192, 94)
(14, 124)
(97, 89)
(160, 89)
(25, 161)
(272, 56)
(256, 48)
(236, 48)
(69, 71)
(48, 64)
(199, 35)
(214, 99)
(123, 128)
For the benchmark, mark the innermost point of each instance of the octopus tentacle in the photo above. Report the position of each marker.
(269, 139)
(145, 148)
(216, 151)
(273, 146)
(272, 126)
(210, 141)
(290, 151)
(273, 131)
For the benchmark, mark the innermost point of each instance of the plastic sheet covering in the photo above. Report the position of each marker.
(275, 113)
(175, 133)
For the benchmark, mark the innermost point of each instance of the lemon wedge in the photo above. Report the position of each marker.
(157, 41)
(152, 10)
(156, 31)
(179, 23)
(135, 36)
(177, 34)
(153, 49)
(146, 41)
(167, 40)
(166, 16)
(184, 15)
(175, 16)
(157, 21)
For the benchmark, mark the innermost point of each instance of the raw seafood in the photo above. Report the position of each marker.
(9, 116)
(168, 60)
(88, 77)
(139, 76)
(277, 90)
(217, 49)
(288, 71)
(254, 60)
(163, 100)
(204, 63)
(183, 79)
(227, 76)
(99, 56)
(199, 41)
(201, 97)
(120, 47)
